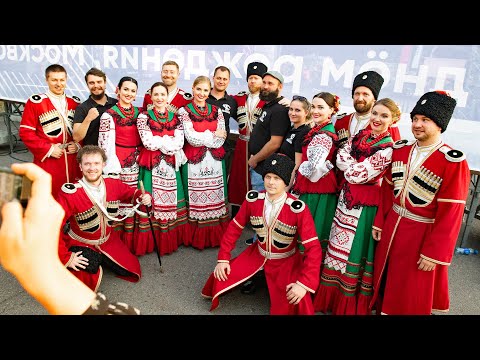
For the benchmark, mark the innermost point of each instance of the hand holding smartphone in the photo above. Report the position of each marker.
(13, 186)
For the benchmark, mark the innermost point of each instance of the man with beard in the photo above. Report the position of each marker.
(177, 98)
(365, 90)
(249, 109)
(266, 138)
(270, 128)
(86, 120)
(91, 207)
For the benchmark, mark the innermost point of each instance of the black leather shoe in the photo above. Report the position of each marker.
(248, 287)
(249, 241)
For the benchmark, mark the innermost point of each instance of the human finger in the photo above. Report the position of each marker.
(41, 180)
(11, 232)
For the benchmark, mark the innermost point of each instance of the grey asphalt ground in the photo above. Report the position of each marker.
(177, 291)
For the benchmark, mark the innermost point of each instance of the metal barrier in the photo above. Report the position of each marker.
(472, 208)
(11, 108)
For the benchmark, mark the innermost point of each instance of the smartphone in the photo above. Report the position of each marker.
(13, 186)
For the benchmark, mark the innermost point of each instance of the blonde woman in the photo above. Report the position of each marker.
(203, 175)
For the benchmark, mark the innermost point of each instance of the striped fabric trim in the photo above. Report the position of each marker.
(409, 215)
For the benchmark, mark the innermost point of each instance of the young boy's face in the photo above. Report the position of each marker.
(274, 184)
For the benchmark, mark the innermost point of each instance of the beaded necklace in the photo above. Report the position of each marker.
(160, 116)
(127, 112)
(374, 138)
(200, 112)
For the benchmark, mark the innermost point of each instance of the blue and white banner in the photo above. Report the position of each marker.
(409, 72)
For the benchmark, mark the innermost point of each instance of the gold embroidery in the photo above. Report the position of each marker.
(51, 122)
(423, 186)
(283, 235)
(398, 176)
(259, 227)
(88, 221)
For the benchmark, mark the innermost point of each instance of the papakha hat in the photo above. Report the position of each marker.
(256, 68)
(437, 105)
(370, 79)
(279, 164)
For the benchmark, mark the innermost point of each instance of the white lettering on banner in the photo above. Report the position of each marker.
(110, 55)
(227, 61)
(175, 55)
(74, 53)
(408, 70)
(458, 77)
(378, 66)
(296, 75)
(151, 59)
(195, 64)
(52, 54)
(420, 80)
(329, 68)
(132, 58)
(38, 58)
(420, 73)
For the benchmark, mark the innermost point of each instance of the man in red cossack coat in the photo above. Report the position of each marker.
(177, 98)
(281, 222)
(417, 223)
(91, 206)
(365, 90)
(46, 129)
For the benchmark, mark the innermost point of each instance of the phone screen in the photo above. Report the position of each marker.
(13, 186)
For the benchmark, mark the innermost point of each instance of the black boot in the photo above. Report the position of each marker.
(248, 287)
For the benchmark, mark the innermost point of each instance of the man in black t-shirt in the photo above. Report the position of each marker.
(86, 120)
(271, 127)
(266, 137)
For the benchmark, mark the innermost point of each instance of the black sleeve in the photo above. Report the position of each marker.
(300, 137)
(280, 122)
(234, 109)
(80, 114)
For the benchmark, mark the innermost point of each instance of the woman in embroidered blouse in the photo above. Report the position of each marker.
(316, 182)
(203, 175)
(162, 136)
(346, 279)
(118, 137)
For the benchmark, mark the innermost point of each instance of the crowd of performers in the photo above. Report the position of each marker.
(351, 218)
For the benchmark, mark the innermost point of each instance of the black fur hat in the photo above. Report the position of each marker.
(436, 105)
(256, 68)
(370, 79)
(279, 164)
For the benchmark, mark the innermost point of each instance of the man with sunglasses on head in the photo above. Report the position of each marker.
(266, 137)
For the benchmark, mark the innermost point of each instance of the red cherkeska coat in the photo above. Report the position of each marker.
(276, 251)
(420, 215)
(91, 228)
(40, 128)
